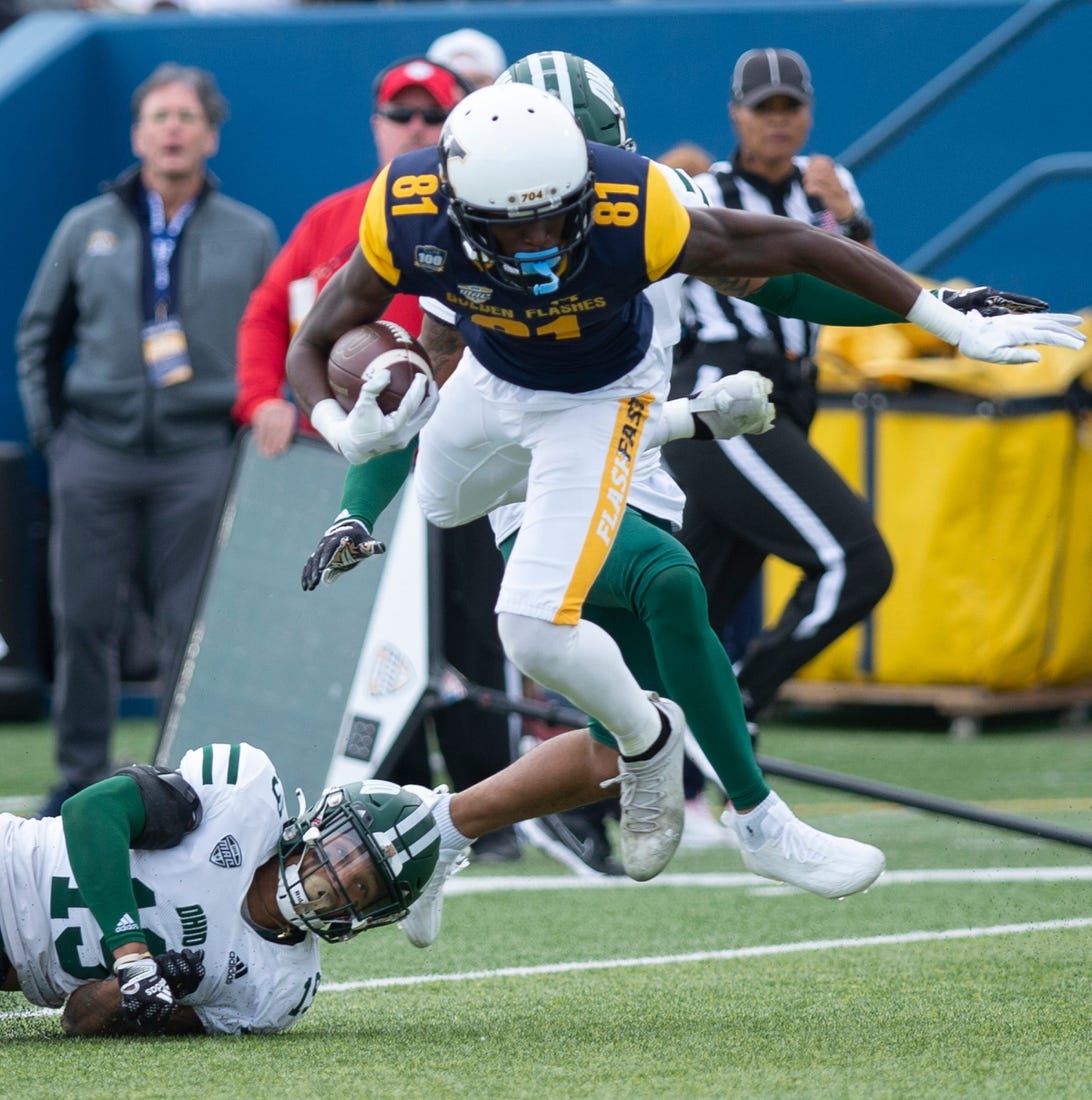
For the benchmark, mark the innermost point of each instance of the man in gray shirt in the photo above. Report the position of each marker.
(126, 363)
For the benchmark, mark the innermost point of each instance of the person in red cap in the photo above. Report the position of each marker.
(412, 98)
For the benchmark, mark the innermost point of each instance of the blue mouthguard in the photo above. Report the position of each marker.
(541, 264)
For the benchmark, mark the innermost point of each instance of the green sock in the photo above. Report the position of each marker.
(697, 674)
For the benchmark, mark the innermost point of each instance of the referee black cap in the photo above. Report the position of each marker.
(760, 74)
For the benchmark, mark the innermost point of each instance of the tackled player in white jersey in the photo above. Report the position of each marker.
(185, 901)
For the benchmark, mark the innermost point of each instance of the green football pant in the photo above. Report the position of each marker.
(650, 599)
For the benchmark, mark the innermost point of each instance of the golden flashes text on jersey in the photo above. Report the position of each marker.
(533, 312)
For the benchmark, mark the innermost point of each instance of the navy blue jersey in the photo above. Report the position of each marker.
(599, 317)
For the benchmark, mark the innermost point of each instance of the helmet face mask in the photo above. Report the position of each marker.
(534, 273)
(355, 860)
(512, 155)
(583, 87)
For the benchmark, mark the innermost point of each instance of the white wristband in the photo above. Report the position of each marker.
(327, 417)
(128, 960)
(677, 421)
(931, 314)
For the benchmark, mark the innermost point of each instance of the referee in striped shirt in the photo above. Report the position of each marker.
(774, 494)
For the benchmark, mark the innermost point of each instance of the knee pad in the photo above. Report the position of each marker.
(677, 588)
(536, 647)
(437, 509)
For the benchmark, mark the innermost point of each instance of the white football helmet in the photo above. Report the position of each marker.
(512, 153)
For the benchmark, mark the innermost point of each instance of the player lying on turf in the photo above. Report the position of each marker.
(193, 890)
(189, 901)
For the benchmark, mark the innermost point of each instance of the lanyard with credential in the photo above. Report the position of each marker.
(166, 355)
(165, 235)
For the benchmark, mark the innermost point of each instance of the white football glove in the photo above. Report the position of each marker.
(737, 404)
(366, 431)
(1003, 339)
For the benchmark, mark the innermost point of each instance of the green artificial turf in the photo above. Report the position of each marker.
(955, 985)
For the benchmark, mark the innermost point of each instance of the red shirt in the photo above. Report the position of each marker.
(323, 240)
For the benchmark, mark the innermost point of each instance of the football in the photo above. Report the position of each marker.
(363, 349)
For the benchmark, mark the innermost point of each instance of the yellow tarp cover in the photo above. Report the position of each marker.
(893, 356)
(988, 517)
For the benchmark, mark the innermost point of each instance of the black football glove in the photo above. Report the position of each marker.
(182, 970)
(343, 545)
(990, 302)
(146, 998)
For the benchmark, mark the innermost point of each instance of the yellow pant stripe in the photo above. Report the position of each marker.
(613, 491)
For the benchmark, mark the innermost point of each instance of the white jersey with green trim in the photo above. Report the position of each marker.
(192, 895)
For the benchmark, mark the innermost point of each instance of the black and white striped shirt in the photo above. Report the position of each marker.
(718, 318)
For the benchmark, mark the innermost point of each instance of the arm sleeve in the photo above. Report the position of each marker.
(372, 485)
(811, 299)
(438, 311)
(100, 824)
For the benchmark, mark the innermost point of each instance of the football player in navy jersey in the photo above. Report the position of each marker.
(648, 596)
(541, 243)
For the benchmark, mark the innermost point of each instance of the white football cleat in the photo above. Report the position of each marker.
(652, 801)
(422, 923)
(702, 829)
(776, 844)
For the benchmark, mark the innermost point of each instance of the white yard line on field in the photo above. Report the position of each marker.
(719, 880)
(710, 956)
(471, 885)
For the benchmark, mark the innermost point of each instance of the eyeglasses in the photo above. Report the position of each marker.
(400, 116)
(158, 118)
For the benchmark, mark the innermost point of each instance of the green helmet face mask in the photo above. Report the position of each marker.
(584, 88)
(355, 860)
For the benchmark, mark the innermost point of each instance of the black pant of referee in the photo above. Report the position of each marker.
(774, 495)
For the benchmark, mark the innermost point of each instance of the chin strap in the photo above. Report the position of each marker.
(289, 891)
(541, 264)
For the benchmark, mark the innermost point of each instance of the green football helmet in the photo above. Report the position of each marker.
(583, 87)
(355, 860)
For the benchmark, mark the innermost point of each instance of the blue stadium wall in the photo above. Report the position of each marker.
(299, 86)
